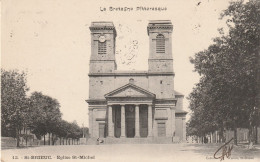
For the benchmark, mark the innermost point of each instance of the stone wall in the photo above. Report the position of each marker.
(161, 86)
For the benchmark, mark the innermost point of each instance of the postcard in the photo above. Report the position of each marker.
(86, 80)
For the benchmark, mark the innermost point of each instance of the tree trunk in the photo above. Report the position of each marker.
(53, 142)
(26, 138)
(251, 137)
(221, 135)
(49, 139)
(43, 139)
(235, 136)
(216, 136)
(256, 135)
(17, 138)
(257, 98)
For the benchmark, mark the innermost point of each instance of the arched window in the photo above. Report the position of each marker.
(160, 44)
(102, 48)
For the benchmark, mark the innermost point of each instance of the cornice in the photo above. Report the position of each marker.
(102, 28)
(96, 28)
(160, 27)
(133, 74)
(96, 102)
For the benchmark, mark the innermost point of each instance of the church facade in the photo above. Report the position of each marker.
(134, 104)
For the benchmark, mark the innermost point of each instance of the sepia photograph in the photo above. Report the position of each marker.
(137, 81)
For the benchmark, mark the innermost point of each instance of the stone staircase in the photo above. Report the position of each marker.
(149, 140)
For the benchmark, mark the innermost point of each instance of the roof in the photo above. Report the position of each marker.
(178, 111)
(160, 22)
(126, 91)
(165, 25)
(178, 93)
(102, 23)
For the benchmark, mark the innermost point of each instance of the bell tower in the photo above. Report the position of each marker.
(103, 38)
(160, 42)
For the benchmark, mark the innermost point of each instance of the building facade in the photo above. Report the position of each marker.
(134, 104)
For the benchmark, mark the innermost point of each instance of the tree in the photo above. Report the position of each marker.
(39, 112)
(229, 69)
(46, 114)
(61, 130)
(73, 131)
(13, 102)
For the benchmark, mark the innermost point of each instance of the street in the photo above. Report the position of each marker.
(127, 152)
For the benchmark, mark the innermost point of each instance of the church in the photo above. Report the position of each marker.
(134, 106)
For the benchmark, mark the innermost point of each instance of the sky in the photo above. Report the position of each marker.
(50, 40)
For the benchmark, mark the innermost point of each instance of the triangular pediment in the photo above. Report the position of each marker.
(130, 90)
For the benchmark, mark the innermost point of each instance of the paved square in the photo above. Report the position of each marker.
(127, 152)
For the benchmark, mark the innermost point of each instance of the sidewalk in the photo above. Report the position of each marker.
(245, 145)
(257, 146)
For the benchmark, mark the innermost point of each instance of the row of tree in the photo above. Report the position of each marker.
(227, 96)
(37, 112)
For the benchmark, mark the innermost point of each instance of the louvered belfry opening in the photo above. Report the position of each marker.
(160, 44)
(102, 48)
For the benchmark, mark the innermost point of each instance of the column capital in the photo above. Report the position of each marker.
(137, 105)
(122, 104)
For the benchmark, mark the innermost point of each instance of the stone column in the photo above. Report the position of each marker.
(173, 121)
(137, 131)
(90, 112)
(184, 129)
(150, 120)
(122, 121)
(110, 122)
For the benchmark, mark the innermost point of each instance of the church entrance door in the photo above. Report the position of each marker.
(130, 121)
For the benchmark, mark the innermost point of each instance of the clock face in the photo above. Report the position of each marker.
(102, 38)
